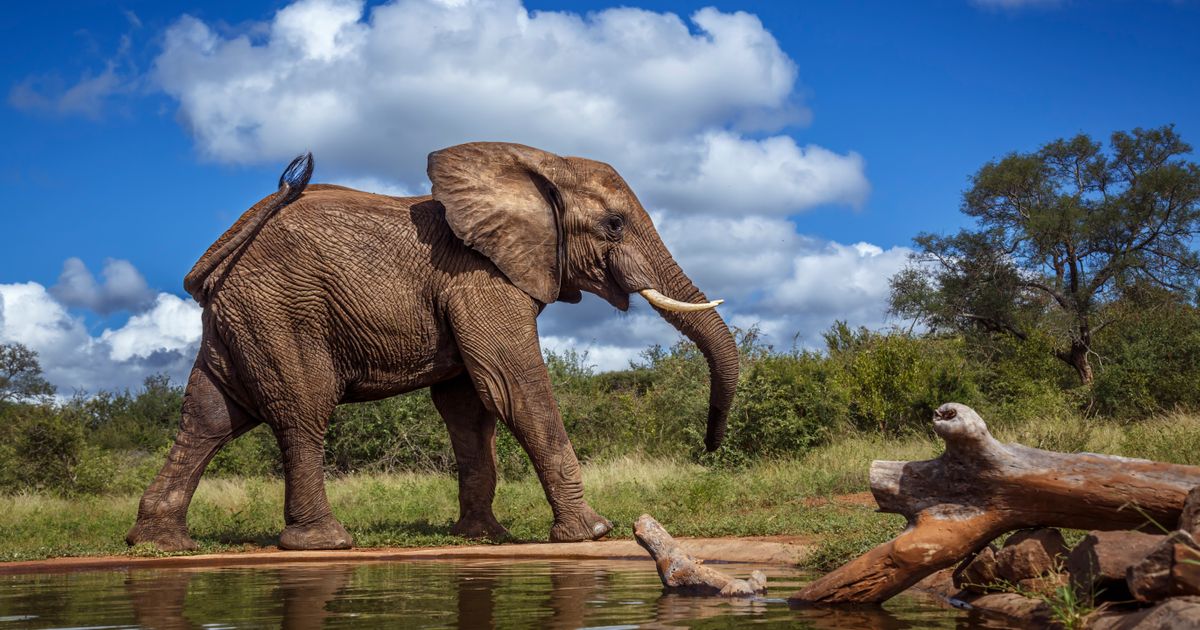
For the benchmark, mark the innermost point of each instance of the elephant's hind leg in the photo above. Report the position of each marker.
(299, 423)
(210, 419)
(473, 436)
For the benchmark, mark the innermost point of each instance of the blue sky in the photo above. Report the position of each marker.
(115, 154)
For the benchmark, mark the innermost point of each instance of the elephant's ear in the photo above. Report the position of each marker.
(503, 200)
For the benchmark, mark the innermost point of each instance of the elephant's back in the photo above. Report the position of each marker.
(350, 271)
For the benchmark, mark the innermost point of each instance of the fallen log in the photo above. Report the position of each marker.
(683, 573)
(980, 488)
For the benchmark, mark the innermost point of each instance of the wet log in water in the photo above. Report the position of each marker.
(683, 573)
(979, 489)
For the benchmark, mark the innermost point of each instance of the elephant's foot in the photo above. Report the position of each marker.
(326, 533)
(479, 526)
(166, 535)
(586, 524)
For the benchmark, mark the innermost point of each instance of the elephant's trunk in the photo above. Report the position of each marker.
(708, 331)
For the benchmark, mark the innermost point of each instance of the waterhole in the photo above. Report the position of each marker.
(423, 594)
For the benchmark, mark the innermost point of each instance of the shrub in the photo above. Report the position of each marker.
(895, 381)
(786, 405)
(253, 454)
(400, 433)
(1150, 360)
(49, 452)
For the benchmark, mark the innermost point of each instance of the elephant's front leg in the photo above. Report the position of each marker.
(473, 435)
(496, 330)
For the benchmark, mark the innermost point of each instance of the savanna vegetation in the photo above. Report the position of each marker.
(1067, 316)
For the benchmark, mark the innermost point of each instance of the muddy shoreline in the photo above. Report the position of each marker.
(770, 550)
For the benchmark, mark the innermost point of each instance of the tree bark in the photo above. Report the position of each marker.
(980, 488)
(683, 573)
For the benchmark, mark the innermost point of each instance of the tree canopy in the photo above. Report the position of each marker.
(20, 374)
(1059, 233)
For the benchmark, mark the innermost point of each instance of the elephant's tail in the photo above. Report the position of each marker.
(291, 184)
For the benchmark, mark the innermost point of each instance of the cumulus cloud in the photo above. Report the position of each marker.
(697, 112)
(685, 109)
(692, 111)
(789, 286)
(162, 338)
(123, 288)
(832, 281)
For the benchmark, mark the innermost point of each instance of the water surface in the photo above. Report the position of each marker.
(421, 594)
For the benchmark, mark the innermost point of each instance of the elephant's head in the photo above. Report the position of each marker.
(556, 226)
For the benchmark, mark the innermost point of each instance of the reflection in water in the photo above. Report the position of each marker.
(157, 598)
(429, 594)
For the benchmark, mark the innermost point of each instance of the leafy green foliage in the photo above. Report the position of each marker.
(400, 433)
(21, 375)
(1057, 232)
(894, 382)
(1151, 356)
(881, 385)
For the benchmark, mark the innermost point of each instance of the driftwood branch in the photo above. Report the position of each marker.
(979, 489)
(683, 573)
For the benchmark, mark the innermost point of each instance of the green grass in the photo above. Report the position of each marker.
(407, 510)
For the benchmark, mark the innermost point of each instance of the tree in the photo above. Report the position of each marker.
(1058, 233)
(20, 374)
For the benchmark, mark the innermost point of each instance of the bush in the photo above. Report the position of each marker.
(49, 451)
(1150, 360)
(864, 386)
(253, 454)
(895, 381)
(786, 405)
(143, 421)
(401, 433)
(602, 420)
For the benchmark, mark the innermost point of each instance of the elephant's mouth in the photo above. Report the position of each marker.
(625, 279)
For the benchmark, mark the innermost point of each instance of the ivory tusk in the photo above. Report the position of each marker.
(669, 304)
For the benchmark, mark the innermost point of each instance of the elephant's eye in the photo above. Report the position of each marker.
(614, 226)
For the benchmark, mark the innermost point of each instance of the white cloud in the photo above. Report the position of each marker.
(681, 109)
(694, 112)
(162, 339)
(790, 286)
(691, 112)
(378, 186)
(600, 357)
(171, 325)
(834, 281)
(773, 176)
(123, 289)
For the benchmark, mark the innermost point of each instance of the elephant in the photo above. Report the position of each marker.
(321, 295)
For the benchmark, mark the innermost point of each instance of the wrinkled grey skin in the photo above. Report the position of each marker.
(322, 295)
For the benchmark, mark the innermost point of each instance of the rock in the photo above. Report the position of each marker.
(1185, 571)
(1098, 563)
(1189, 519)
(683, 573)
(1150, 579)
(977, 573)
(1044, 586)
(1174, 613)
(1025, 611)
(1031, 553)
